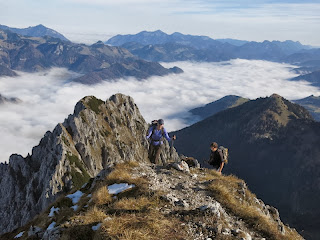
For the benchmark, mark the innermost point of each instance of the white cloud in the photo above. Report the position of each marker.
(48, 97)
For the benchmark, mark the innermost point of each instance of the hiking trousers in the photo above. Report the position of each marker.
(154, 153)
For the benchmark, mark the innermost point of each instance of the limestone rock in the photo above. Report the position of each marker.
(181, 166)
(98, 134)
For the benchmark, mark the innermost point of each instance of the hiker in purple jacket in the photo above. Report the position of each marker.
(156, 133)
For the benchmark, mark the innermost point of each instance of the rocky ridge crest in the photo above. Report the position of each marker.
(96, 135)
(173, 201)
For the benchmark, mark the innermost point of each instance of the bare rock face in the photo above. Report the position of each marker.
(97, 135)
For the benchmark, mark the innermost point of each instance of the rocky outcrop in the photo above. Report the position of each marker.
(161, 202)
(95, 136)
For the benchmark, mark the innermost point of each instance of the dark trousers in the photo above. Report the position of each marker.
(154, 153)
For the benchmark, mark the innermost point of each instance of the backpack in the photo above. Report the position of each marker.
(224, 152)
(153, 125)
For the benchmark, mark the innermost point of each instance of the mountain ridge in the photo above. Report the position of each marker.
(36, 31)
(91, 178)
(97, 134)
(267, 140)
(36, 54)
(266, 50)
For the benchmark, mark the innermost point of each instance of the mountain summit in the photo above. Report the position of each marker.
(97, 134)
(273, 145)
(36, 31)
(91, 179)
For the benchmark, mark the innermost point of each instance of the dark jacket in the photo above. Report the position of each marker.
(215, 158)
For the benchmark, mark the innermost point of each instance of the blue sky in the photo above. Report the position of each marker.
(92, 20)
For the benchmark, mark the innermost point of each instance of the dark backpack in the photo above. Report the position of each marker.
(224, 152)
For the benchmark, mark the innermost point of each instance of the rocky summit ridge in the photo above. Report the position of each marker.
(97, 134)
(70, 179)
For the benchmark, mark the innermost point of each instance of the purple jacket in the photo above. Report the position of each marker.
(157, 134)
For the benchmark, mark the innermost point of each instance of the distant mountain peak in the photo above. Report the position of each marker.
(36, 31)
(276, 96)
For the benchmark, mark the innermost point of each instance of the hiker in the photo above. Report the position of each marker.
(216, 157)
(156, 133)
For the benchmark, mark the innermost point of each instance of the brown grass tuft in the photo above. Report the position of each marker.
(122, 174)
(225, 189)
(119, 175)
(93, 215)
(101, 196)
(149, 226)
(138, 204)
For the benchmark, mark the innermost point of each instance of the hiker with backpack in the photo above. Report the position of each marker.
(218, 157)
(156, 133)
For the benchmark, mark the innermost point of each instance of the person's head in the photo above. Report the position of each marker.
(214, 146)
(160, 123)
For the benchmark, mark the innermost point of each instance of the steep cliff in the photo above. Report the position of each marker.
(96, 135)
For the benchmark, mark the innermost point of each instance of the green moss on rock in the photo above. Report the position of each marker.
(78, 178)
(64, 202)
(94, 104)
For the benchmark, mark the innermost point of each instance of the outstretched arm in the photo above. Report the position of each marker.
(166, 135)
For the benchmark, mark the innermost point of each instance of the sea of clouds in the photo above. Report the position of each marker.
(48, 97)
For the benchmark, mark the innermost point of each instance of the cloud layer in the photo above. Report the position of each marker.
(49, 97)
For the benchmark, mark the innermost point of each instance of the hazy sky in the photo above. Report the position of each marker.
(92, 20)
(48, 99)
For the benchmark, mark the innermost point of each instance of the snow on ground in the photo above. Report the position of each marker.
(53, 210)
(119, 187)
(95, 228)
(75, 207)
(51, 226)
(19, 235)
(75, 197)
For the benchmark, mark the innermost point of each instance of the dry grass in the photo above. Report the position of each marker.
(119, 175)
(122, 172)
(225, 189)
(101, 196)
(139, 204)
(149, 226)
(93, 215)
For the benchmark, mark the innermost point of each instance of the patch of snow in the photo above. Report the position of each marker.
(19, 235)
(89, 195)
(75, 207)
(75, 197)
(51, 226)
(53, 210)
(95, 228)
(119, 187)
(84, 185)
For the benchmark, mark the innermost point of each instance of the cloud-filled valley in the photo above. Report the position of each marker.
(48, 97)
